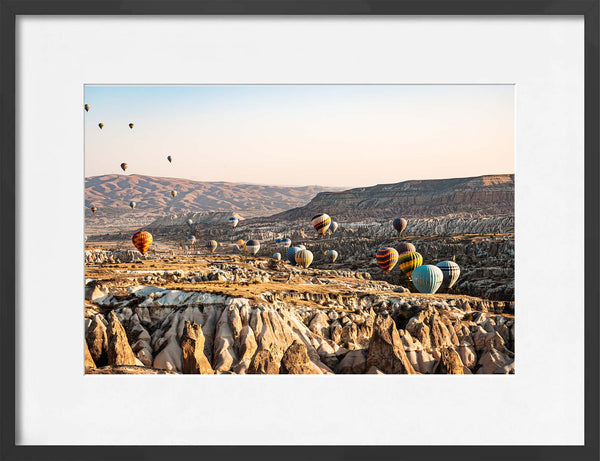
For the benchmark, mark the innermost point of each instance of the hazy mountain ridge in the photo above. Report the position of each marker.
(112, 194)
(489, 195)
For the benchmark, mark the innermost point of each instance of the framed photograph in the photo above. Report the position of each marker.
(280, 230)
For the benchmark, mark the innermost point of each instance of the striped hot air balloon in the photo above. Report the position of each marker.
(451, 272)
(291, 254)
(277, 256)
(332, 255)
(399, 224)
(386, 258)
(405, 247)
(409, 262)
(304, 258)
(142, 241)
(233, 221)
(283, 245)
(252, 246)
(427, 278)
(321, 223)
(212, 245)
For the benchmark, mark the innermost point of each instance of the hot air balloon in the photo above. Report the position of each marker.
(131, 126)
(291, 255)
(252, 246)
(334, 226)
(173, 193)
(233, 221)
(321, 223)
(170, 159)
(304, 258)
(212, 245)
(132, 205)
(405, 247)
(386, 258)
(302, 247)
(94, 209)
(142, 241)
(124, 166)
(450, 271)
(332, 255)
(192, 239)
(189, 222)
(409, 262)
(86, 107)
(101, 125)
(399, 224)
(283, 245)
(277, 256)
(427, 278)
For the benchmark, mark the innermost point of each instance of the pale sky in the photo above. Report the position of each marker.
(330, 135)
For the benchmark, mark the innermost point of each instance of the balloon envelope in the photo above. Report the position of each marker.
(332, 255)
(212, 245)
(124, 166)
(386, 258)
(170, 159)
(132, 204)
(427, 278)
(189, 222)
(450, 271)
(277, 256)
(405, 247)
(192, 239)
(101, 125)
(291, 254)
(173, 193)
(252, 246)
(334, 226)
(399, 224)
(142, 241)
(321, 223)
(302, 247)
(86, 107)
(304, 258)
(94, 209)
(409, 262)
(131, 126)
(283, 245)
(233, 221)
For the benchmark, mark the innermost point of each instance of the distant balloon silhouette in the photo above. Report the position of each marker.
(94, 209)
(86, 107)
(386, 258)
(170, 159)
(189, 222)
(142, 241)
(334, 226)
(131, 126)
(101, 125)
(124, 166)
(212, 245)
(427, 278)
(233, 221)
(173, 193)
(132, 205)
(399, 224)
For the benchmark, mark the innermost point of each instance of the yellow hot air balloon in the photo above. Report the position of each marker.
(86, 107)
(142, 241)
(409, 262)
(321, 223)
(131, 126)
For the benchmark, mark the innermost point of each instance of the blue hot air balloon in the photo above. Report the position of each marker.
(332, 255)
(291, 254)
(233, 221)
(451, 272)
(283, 245)
(427, 278)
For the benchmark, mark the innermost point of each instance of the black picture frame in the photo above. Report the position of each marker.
(9, 9)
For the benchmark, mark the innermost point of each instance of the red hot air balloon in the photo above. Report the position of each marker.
(142, 241)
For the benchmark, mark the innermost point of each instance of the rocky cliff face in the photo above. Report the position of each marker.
(263, 317)
(483, 196)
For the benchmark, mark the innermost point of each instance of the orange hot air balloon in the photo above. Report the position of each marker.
(94, 209)
(142, 241)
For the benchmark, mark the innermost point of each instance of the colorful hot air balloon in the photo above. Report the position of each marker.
(239, 246)
(427, 278)
(170, 159)
(409, 262)
(291, 255)
(386, 258)
(252, 246)
(86, 107)
(450, 271)
(405, 247)
(131, 126)
(399, 224)
(233, 221)
(101, 125)
(321, 223)
(277, 256)
(283, 245)
(94, 209)
(189, 222)
(142, 241)
(173, 193)
(132, 205)
(334, 226)
(124, 166)
(304, 258)
(212, 245)
(332, 255)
